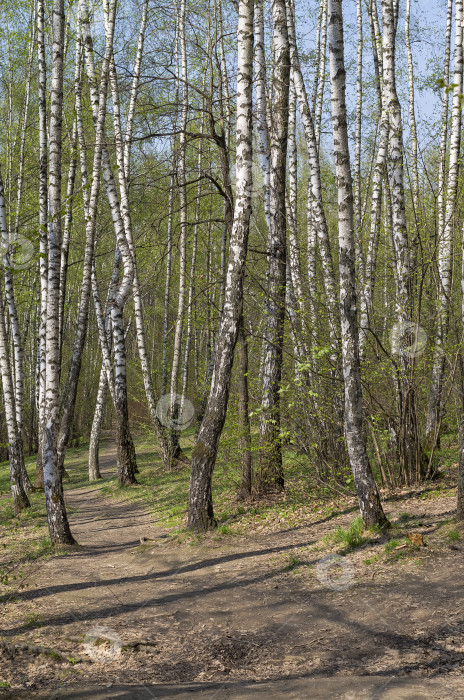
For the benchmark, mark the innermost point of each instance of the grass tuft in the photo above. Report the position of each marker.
(351, 537)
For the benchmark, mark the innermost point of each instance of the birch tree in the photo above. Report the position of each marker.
(445, 233)
(201, 513)
(270, 470)
(368, 496)
(58, 525)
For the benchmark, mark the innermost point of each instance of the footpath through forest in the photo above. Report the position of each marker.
(242, 617)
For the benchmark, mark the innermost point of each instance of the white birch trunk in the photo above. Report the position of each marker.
(181, 170)
(261, 108)
(445, 242)
(20, 484)
(270, 469)
(70, 389)
(58, 525)
(368, 497)
(201, 515)
(43, 226)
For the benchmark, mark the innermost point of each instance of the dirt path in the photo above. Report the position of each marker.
(233, 618)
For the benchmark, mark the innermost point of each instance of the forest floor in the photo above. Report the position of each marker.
(255, 608)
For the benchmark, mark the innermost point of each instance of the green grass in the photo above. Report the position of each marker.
(391, 545)
(454, 535)
(351, 537)
(372, 560)
(293, 562)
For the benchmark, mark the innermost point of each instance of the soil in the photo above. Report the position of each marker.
(243, 616)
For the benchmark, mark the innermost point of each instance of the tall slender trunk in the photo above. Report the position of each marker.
(68, 217)
(412, 113)
(11, 242)
(358, 138)
(441, 198)
(201, 514)
(261, 108)
(138, 307)
(292, 211)
(58, 525)
(15, 444)
(125, 448)
(270, 470)
(368, 496)
(445, 242)
(167, 286)
(246, 457)
(317, 212)
(43, 227)
(106, 378)
(71, 385)
(191, 291)
(319, 97)
(368, 277)
(181, 176)
(19, 479)
(134, 93)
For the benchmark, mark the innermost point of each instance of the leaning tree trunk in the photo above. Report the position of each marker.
(270, 474)
(106, 377)
(70, 389)
(58, 525)
(125, 447)
(201, 514)
(123, 158)
(368, 496)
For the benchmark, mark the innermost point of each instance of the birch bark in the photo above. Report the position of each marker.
(43, 226)
(411, 454)
(19, 479)
(70, 389)
(445, 242)
(201, 514)
(58, 525)
(270, 469)
(368, 496)
(181, 170)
